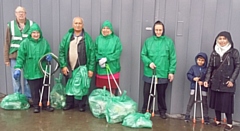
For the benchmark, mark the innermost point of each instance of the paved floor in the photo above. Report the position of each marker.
(73, 120)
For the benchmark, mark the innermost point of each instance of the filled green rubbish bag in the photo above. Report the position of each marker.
(79, 83)
(138, 120)
(57, 95)
(118, 107)
(97, 102)
(16, 101)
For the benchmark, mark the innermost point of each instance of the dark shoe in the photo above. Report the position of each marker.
(207, 120)
(228, 128)
(163, 116)
(36, 110)
(67, 107)
(48, 108)
(187, 118)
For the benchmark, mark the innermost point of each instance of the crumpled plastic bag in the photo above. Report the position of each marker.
(118, 107)
(16, 101)
(138, 120)
(78, 85)
(57, 95)
(97, 101)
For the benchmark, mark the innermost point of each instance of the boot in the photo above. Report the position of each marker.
(36, 110)
(48, 108)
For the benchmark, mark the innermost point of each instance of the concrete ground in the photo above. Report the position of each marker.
(73, 120)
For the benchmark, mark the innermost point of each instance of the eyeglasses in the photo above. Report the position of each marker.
(19, 12)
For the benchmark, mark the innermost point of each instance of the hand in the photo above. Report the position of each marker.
(170, 77)
(229, 84)
(152, 65)
(90, 74)
(7, 63)
(196, 79)
(65, 71)
(200, 83)
(205, 84)
(17, 74)
(49, 57)
(102, 61)
(103, 65)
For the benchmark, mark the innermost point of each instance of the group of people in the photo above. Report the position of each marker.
(79, 55)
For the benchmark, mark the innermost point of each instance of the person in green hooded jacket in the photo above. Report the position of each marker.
(77, 61)
(159, 58)
(108, 51)
(29, 53)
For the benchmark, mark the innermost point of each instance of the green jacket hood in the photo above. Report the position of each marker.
(34, 27)
(107, 24)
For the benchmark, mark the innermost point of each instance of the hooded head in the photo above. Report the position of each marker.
(35, 32)
(204, 56)
(158, 29)
(226, 35)
(106, 28)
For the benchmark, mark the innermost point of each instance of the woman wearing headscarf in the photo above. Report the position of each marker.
(223, 70)
(159, 56)
(108, 51)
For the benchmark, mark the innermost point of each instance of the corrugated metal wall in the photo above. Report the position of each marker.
(193, 25)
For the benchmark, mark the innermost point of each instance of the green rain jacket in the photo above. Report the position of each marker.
(64, 47)
(30, 52)
(109, 47)
(160, 51)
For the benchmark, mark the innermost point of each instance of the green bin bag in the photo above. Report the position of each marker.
(57, 95)
(118, 107)
(138, 120)
(78, 85)
(97, 101)
(16, 101)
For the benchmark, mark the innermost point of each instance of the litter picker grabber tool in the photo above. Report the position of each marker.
(47, 74)
(153, 82)
(48, 67)
(197, 101)
(110, 87)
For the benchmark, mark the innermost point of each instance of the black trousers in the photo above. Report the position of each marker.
(161, 91)
(72, 102)
(36, 88)
(191, 102)
(228, 115)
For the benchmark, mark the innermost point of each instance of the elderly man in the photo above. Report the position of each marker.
(77, 61)
(16, 32)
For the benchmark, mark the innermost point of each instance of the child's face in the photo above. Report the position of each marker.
(200, 61)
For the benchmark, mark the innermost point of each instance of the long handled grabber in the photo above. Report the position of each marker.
(47, 74)
(153, 82)
(197, 101)
(48, 67)
(109, 83)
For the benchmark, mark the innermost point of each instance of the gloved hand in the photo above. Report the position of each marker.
(17, 74)
(102, 62)
(49, 57)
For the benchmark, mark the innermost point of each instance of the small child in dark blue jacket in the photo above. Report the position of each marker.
(197, 74)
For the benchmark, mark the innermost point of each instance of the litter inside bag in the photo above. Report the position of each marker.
(138, 120)
(58, 98)
(97, 102)
(118, 107)
(16, 101)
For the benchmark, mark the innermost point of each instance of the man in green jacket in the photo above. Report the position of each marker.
(29, 53)
(77, 61)
(159, 57)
